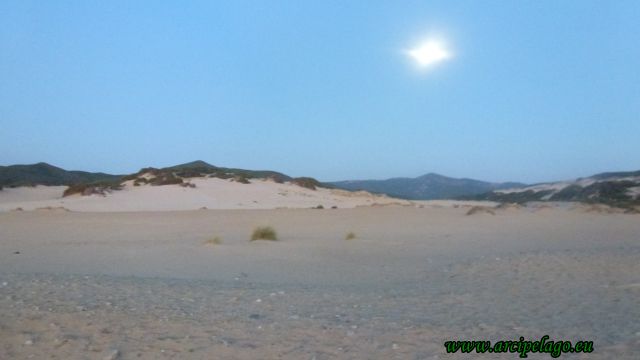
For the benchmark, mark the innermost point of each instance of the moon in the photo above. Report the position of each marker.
(429, 53)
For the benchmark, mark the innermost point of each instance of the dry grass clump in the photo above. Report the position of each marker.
(278, 179)
(75, 189)
(633, 210)
(264, 233)
(601, 209)
(53, 208)
(306, 182)
(350, 236)
(241, 179)
(165, 179)
(480, 210)
(91, 189)
(140, 181)
(509, 206)
(216, 240)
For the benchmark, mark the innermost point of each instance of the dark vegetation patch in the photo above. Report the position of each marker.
(241, 179)
(100, 188)
(307, 182)
(165, 179)
(279, 179)
(612, 193)
(519, 197)
(480, 210)
(264, 233)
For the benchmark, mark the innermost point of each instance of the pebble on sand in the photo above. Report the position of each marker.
(112, 354)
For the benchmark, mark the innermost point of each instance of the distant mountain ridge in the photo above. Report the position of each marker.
(613, 188)
(46, 174)
(430, 186)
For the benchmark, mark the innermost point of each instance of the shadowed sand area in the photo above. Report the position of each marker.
(144, 285)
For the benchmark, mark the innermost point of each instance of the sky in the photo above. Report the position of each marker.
(519, 90)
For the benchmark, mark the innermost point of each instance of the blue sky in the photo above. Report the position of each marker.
(533, 91)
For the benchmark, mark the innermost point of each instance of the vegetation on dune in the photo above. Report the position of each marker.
(100, 188)
(86, 183)
(278, 179)
(241, 179)
(264, 233)
(350, 236)
(140, 181)
(306, 182)
(615, 193)
(165, 179)
(516, 197)
(176, 174)
(204, 168)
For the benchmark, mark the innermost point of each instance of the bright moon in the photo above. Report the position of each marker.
(429, 53)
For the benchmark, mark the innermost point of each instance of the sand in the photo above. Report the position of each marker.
(144, 285)
(210, 193)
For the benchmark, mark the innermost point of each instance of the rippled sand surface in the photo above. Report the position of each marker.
(146, 286)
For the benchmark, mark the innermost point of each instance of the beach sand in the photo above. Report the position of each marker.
(144, 285)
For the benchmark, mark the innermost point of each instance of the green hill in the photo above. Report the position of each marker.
(426, 187)
(45, 174)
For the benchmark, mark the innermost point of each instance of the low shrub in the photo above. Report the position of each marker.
(216, 240)
(306, 182)
(264, 233)
(91, 189)
(165, 179)
(278, 179)
(241, 179)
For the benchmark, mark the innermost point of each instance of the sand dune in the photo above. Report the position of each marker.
(166, 272)
(210, 193)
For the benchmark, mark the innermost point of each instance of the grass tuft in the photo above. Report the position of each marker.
(350, 236)
(264, 233)
(216, 240)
